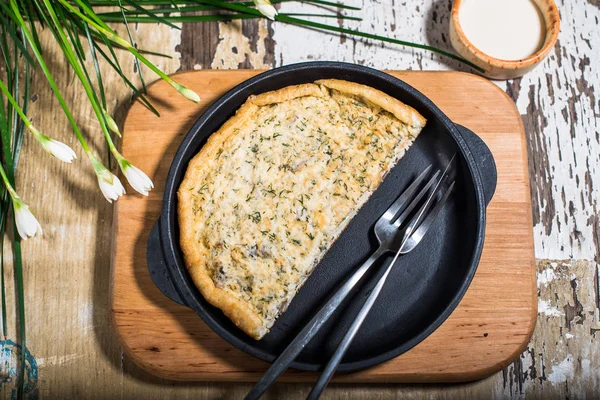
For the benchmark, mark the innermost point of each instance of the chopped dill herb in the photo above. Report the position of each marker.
(256, 217)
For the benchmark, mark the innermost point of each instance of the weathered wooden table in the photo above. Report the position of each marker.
(67, 270)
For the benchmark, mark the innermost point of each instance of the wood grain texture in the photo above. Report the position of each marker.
(488, 329)
(67, 270)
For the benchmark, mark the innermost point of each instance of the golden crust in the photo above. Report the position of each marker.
(195, 255)
(404, 113)
(286, 94)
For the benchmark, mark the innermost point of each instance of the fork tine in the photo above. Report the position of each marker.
(421, 214)
(413, 204)
(424, 191)
(404, 198)
(424, 226)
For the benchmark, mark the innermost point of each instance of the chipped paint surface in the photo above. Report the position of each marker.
(562, 359)
(234, 50)
(562, 372)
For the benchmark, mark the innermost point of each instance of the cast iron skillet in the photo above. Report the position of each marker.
(422, 290)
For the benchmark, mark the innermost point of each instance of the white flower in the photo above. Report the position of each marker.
(110, 185)
(54, 147)
(266, 8)
(59, 150)
(27, 225)
(137, 178)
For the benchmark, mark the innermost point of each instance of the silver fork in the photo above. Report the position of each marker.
(393, 236)
(413, 233)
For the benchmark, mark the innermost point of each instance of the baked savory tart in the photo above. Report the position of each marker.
(276, 185)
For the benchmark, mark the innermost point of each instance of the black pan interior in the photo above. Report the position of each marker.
(424, 287)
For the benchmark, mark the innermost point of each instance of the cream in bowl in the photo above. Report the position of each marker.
(507, 38)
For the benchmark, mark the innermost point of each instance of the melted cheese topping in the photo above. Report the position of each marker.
(282, 188)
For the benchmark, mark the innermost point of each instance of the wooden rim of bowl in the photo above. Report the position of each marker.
(551, 16)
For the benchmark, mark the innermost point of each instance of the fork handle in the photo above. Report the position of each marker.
(335, 360)
(310, 330)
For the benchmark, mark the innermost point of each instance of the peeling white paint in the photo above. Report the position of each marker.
(562, 372)
(545, 277)
(228, 39)
(544, 307)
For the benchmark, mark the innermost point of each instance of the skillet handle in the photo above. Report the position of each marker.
(484, 160)
(158, 268)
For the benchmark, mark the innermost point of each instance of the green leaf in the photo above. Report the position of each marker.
(135, 60)
(322, 2)
(18, 270)
(216, 17)
(9, 28)
(48, 75)
(18, 140)
(128, 82)
(79, 69)
(96, 65)
(312, 24)
(149, 13)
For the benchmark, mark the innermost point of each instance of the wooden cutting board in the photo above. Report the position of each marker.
(490, 327)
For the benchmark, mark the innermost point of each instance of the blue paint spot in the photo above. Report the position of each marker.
(10, 353)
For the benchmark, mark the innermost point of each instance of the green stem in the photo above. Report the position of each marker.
(6, 180)
(246, 3)
(214, 17)
(112, 60)
(137, 62)
(48, 75)
(91, 13)
(186, 9)
(9, 125)
(18, 140)
(112, 36)
(297, 21)
(96, 65)
(117, 68)
(317, 25)
(15, 104)
(5, 208)
(5, 139)
(79, 71)
(142, 10)
(18, 266)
